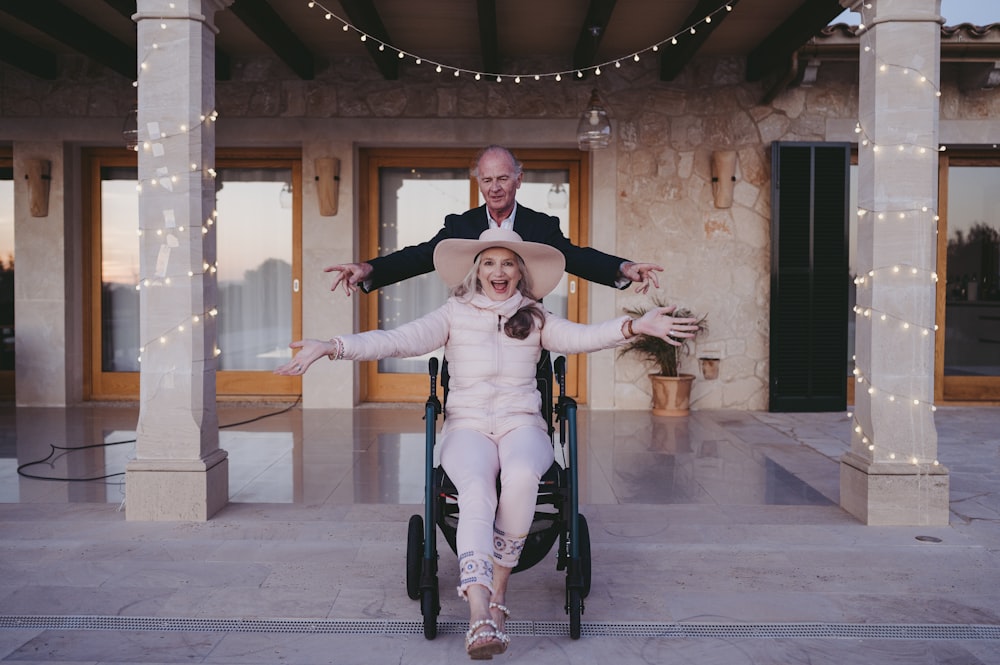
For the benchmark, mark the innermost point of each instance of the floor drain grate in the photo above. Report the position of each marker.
(536, 628)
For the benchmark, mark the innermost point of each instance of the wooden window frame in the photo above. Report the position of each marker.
(230, 385)
(377, 387)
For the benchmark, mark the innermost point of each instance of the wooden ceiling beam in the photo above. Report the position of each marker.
(489, 41)
(27, 57)
(124, 7)
(591, 32)
(365, 17)
(68, 27)
(774, 53)
(675, 57)
(264, 22)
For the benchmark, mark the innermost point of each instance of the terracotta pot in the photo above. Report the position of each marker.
(671, 394)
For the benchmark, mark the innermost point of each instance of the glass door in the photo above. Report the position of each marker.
(969, 284)
(405, 196)
(259, 277)
(6, 276)
(258, 247)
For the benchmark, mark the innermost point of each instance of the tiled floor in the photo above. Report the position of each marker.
(716, 538)
(376, 456)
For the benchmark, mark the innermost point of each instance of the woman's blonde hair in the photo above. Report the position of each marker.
(520, 324)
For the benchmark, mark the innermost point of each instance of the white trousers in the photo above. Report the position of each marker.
(491, 531)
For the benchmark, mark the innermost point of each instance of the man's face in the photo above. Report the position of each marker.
(498, 183)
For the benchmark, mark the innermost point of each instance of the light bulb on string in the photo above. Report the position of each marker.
(346, 26)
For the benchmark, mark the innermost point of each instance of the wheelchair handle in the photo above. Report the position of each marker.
(560, 367)
(432, 369)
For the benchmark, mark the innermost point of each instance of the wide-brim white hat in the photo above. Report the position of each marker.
(545, 264)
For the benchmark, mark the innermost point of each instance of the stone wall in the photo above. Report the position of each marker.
(716, 259)
(665, 134)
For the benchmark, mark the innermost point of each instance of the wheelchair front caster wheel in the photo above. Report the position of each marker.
(575, 608)
(430, 607)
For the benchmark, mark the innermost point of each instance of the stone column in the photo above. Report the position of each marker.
(179, 473)
(891, 474)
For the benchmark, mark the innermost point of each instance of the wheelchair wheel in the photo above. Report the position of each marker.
(583, 535)
(429, 607)
(414, 556)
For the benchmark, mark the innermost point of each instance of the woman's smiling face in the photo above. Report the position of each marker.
(499, 274)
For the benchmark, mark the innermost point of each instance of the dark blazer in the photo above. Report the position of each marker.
(590, 264)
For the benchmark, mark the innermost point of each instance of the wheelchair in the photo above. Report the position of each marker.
(557, 517)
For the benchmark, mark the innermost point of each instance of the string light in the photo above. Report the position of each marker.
(880, 316)
(896, 275)
(870, 445)
(154, 145)
(167, 336)
(866, 141)
(440, 67)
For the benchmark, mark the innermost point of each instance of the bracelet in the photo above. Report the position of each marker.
(338, 351)
(631, 333)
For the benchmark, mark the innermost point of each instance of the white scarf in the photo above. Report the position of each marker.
(504, 308)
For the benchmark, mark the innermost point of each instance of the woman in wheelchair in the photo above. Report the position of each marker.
(493, 329)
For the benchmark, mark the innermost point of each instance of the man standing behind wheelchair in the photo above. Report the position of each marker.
(493, 329)
(499, 175)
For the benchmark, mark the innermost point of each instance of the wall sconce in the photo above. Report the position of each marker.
(328, 184)
(709, 367)
(723, 177)
(39, 176)
(593, 132)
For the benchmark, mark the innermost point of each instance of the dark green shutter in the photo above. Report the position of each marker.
(810, 191)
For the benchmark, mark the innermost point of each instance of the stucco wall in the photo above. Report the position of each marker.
(651, 191)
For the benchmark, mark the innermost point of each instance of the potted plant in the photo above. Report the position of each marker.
(671, 387)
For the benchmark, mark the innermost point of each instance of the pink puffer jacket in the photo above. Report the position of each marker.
(492, 376)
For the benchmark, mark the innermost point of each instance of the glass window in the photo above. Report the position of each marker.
(254, 245)
(119, 269)
(6, 266)
(413, 203)
(972, 301)
(852, 258)
(257, 229)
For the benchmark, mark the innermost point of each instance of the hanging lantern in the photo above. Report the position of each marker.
(594, 130)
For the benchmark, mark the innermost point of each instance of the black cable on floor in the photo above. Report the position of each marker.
(54, 449)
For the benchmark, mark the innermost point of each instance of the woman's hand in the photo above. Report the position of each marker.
(310, 350)
(658, 322)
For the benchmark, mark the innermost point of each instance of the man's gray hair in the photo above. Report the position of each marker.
(518, 167)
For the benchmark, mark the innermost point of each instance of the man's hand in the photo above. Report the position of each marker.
(644, 274)
(350, 275)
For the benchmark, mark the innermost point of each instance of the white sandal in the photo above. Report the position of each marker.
(483, 645)
(502, 608)
(506, 615)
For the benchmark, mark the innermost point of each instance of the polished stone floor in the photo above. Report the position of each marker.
(716, 539)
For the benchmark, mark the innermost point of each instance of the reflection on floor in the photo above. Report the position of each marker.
(741, 553)
(375, 455)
